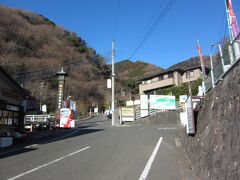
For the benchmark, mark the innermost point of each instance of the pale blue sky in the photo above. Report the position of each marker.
(174, 40)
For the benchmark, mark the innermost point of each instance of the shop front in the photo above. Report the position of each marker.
(13, 104)
(11, 119)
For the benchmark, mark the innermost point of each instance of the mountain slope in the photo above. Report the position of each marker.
(193, 62)
(33, 49)
(133, 70)
(127, 73)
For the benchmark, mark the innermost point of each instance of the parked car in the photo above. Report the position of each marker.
(109, 116)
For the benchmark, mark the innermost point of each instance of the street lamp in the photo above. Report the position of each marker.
(211, 61)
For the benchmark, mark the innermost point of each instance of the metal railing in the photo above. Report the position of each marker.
(137, 114)
(35, 119)
(229, 58)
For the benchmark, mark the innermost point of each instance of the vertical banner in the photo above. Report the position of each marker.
(233, 30)
(232, 20)
(73, 107)
(202, 66)
(144, 102)
(144, 105)
(109, 83)
(201, 59)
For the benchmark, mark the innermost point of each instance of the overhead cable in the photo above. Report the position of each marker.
(154, 26)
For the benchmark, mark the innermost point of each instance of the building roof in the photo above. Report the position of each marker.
(22, 92)
(180, 70)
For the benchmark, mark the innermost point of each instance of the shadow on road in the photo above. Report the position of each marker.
(17, 151)
(80, 132)
(26, 147)
(90, 122)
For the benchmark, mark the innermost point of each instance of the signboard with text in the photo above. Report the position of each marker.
(162, 102)
(67, 118)
(127, 114)
(144, 106)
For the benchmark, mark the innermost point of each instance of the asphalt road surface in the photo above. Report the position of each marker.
(98, 151)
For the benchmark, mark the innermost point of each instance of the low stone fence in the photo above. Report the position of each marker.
(162, 118)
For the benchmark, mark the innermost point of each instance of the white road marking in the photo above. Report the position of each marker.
(30, 146)
(150, 161)
(47, 164)
(123, 125)
(167, 128)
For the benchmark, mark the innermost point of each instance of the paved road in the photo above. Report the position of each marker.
(98, 151)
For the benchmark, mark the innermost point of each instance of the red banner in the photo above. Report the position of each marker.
(232, 19)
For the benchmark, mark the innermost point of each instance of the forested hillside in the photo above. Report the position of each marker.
(33, 49)
(128, 72)
(192, 62)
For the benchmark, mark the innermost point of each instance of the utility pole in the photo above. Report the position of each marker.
(41, 94)
(211, 61)
(113, 77)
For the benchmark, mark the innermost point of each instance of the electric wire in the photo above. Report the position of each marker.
(223, 26)
(225, 29)
(137, 39)
(51, 71)
(80, 62)
(154, 26)
(97, 56)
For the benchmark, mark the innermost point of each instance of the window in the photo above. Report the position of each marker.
(16, 119)
(170, 75)
(147, 81)
(9, 118)
(4, 117)
(190, 74)
(1, 122)
(160, 77)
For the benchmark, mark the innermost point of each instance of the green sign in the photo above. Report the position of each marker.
(162, 102)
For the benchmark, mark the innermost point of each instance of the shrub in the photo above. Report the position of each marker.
(181, 90)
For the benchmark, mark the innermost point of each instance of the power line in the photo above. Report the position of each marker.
(223, 26)
(50, 71)
(225, 29)
(154, 26)
(58, 66)
(135, 41)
